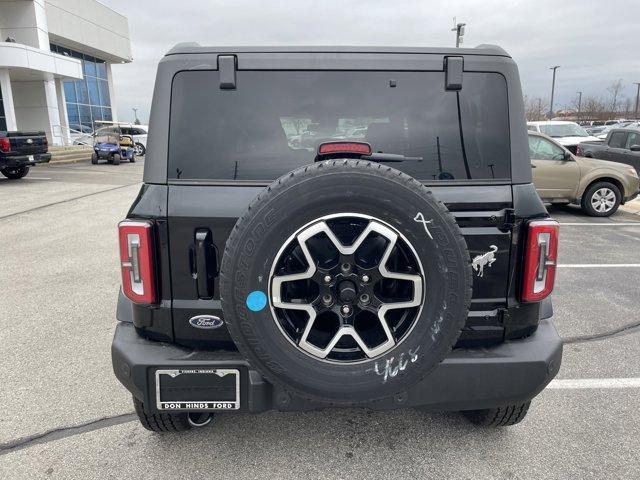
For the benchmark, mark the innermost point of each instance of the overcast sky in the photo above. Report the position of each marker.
(594, 41)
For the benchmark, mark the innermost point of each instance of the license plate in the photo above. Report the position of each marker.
(198, 389)
(30, 157)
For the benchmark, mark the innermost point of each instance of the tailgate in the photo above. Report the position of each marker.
(28, 142)
(200, 219)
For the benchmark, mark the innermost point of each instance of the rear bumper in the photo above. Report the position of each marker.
(467, 379)
(16, 161)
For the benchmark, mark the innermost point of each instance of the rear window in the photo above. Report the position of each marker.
(274, 121)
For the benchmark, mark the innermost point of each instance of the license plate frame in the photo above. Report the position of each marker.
(201, 404)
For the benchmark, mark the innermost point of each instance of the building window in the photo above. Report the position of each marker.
(88, 99)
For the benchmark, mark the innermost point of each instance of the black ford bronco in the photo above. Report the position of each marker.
(329, 227)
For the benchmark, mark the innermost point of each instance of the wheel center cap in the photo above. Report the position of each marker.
(347, 291)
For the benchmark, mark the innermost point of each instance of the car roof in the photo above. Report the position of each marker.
(194, 47)
(552, 122)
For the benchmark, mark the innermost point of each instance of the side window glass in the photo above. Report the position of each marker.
(634, 139)
(543, 149)
(618, 140)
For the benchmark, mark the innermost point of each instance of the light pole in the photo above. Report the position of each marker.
(135, 116)
(637, 98)
(553, 88)
(579, 103)
(459, 29)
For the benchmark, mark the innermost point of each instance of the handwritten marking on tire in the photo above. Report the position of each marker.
(420, 218)
(390, 367)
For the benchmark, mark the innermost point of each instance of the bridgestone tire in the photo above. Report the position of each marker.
(168, 422)
(498, 417)
(15, 173)
(360, 187)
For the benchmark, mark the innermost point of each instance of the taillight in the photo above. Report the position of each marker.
(136, 260)
(5, 144)
(45, 142)
(540, 262)
(579, 151)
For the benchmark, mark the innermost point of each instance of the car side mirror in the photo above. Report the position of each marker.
(635, 148)
(567, 157)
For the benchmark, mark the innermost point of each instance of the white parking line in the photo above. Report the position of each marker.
(612, 224)
(599, 265)
(593, 383)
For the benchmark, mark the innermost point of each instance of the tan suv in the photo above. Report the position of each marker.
(598, 186)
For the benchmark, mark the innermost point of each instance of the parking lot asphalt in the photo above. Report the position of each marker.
(58, 245)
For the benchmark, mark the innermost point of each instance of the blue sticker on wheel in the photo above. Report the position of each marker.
(256, 301)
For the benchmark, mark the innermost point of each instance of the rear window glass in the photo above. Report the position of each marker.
(274, 121)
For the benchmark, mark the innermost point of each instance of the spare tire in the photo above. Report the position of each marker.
(345, 281)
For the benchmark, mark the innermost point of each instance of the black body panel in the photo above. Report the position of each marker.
(488, 215)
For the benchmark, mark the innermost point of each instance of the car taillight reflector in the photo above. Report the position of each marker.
(540, 262)
(136, 261)
(329, 148)
(5, 144)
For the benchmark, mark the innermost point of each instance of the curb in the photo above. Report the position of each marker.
(632, 207)
(65, 161)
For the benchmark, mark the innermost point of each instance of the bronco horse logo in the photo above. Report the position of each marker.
(484, 260)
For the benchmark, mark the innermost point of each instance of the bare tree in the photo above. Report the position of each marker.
(594, 108)
(615, 94)
(535, 108)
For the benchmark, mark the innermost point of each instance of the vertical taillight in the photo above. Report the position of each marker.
(540, 261)
(136, 260)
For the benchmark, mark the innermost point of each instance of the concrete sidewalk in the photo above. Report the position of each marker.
(632, 206)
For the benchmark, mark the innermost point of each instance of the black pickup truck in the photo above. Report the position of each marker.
(20, 150)
(401, 259)
(621, 145)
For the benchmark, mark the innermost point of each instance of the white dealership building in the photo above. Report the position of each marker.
(55, 65)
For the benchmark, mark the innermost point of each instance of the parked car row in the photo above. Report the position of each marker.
(598, 186)
(568, 134)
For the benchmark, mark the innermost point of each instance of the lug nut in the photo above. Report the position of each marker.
(365, 278)
(346, 309)
(327, 299)
(327, 279)
(364, 299)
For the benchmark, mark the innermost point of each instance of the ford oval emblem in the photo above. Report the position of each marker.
(206, 322)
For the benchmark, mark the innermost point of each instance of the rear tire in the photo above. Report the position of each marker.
(94, 158)
(171, 422)
(15, 173)
(498, 417)
(601, 199)
(116, 159)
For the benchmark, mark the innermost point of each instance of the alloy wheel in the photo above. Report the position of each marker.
(603, 200)
(346, 288)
